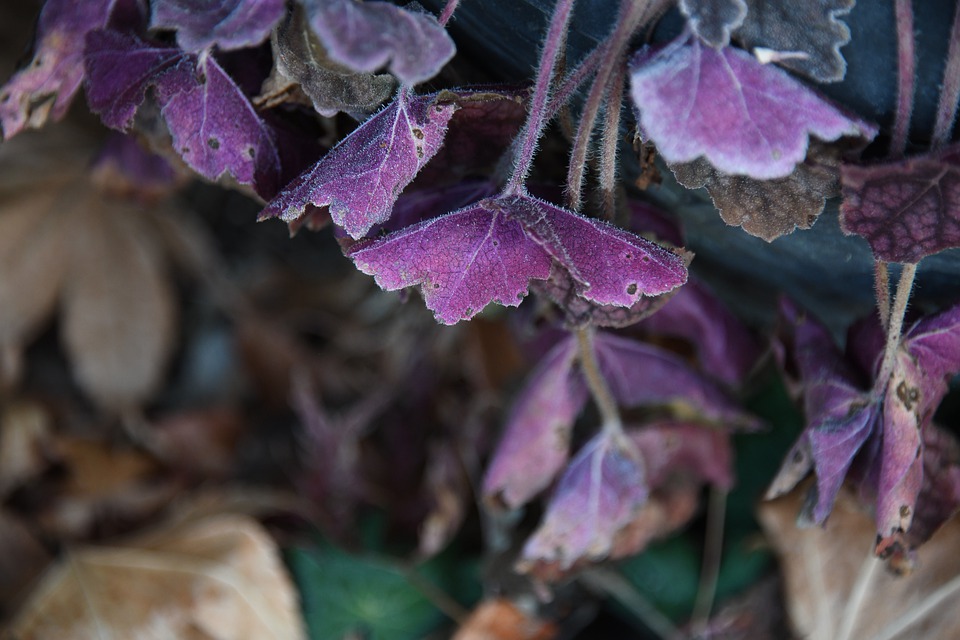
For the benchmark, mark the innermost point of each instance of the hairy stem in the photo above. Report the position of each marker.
(630, 16)
(575, 79)
(881, 285)
(610, 141)
(536, 119)
(712, 555)
(950, 89)
(597, 384)
(904, 286)
(906, 74)
(447, 12)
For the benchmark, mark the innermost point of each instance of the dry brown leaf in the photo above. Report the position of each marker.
(836, 589)
(64, 241)
(26, 445)
(500, 619)
(215, 578)
(22, 560)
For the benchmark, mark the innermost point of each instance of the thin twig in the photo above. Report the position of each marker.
(906, 73)
(896, 323)
(610, 141)
(629, 18)
(614, 584)
(599, 389)
(950, 89)
(881, 285)
(536, 119)
(448, 10)
(712, 555)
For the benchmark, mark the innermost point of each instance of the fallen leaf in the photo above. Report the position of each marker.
(21, 563)
(836, 588)
(500, 619)
(218, 577)
(26, 445)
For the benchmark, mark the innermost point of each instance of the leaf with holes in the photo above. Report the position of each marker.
(361, 178)
(906, 209)
(227, 24)
(366, 36)
(461, 261)
(810, 33)
(743, 117)
(536, 439)
(213, 125)
(714, 20)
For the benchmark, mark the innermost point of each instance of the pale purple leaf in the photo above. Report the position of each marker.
(228, 24)
(612, 266)
(906, 209)
(45, 88)
(744, 117)
(725, 348)
(536, 440)
(361, 178)
(685, 449)
(641, 374)
(934, 342)
(599, 494)
(366, 36)
(714, 20)
(461, 261)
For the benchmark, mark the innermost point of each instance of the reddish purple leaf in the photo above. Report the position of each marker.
(601, 491)
(366, 36)
(536, 440)
(939, 497)
(611, 266)
(714, 20)
(726, 349)
(690, 450)
(906, 209)
(46, 87)
(934, 342)
(228, 24)
(744, 117)
(416, 206)
(362, 176)
(213, 125)
(462, 261)
(642, 374)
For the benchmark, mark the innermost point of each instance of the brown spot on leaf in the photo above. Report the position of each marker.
(213, 143)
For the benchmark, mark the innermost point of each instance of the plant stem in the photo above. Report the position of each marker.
(906, 73)
(630, 15)
(881, 284)
(536, 119)
(597, 384)
(712, 555)
(610, 141)
(896, 324)
(447, 12)
(950, 89)
(574, 79)
(610, 582)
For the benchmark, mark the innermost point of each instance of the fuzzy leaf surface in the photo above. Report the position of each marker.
(366, 36)
(744, 117)
(228, 24)
(714, 20)
(45, 88)
(536, 440)
(461, 261)
(810, 28)
(906, 209)
(361, 178)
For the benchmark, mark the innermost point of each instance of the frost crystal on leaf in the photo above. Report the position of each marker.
(361, 178)
(366, 36)
(744, 117)
(906, 209)
(228, 24)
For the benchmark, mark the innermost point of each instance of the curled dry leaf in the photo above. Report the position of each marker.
(220, 577)
(836, 588)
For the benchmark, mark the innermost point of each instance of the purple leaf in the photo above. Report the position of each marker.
(906, 209)
(601, 491)
(125, 168)
(610, 265)
(536, 440)
(939, 497)
(228, 24)
(810, 29)
(362, 176)
(648, 221)
(934, 342)
(429, 203)
(713, 20)
(462, 261)
(213, 125)
(744, 117)
(725, 348)
(46, 87)
(366, 36)
(690, 450)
